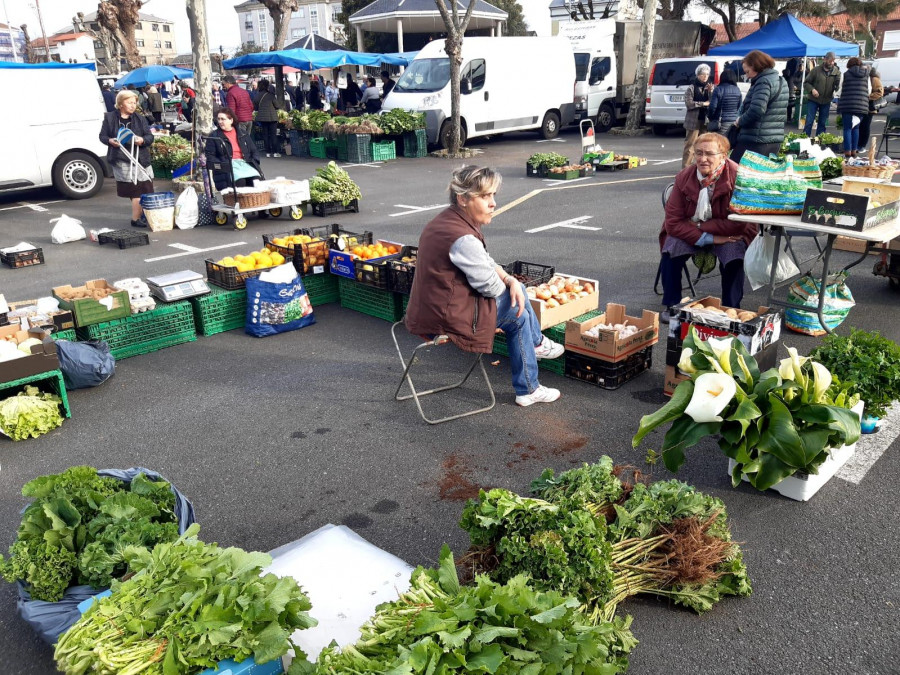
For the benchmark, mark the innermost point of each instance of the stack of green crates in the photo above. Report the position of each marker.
(169, 324)
(219, 310)
(372, 301)
(415, 143)
(64, 335)
(317, 147)
(556, 333)
(383, 151)
(322, 289)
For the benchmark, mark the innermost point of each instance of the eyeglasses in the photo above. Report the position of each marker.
(702, 155)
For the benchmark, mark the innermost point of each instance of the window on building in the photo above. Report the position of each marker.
(248, 25)
(95, 26)
(335, 11)
(144, 60)
(139, 43)
(302, 32)
(155, 28)
(314, 20)
(251, 42)
(157, 44)
(301, 13)
(139, 26)
(295, 33)
(168, 45)
(167, 28)
(98, 44)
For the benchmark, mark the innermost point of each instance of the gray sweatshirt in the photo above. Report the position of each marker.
(470, 256)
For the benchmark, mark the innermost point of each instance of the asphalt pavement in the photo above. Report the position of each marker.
(272, 438)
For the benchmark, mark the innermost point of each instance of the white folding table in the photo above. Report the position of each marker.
(781, 227)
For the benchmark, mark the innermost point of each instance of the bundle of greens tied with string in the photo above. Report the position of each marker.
(332, 184)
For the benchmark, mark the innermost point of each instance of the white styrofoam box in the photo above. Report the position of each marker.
(139, 305)
(136, 288)
(802, 486)
(345, 577)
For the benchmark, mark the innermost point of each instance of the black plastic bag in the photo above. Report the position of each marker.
(85, 364)
(51, 619)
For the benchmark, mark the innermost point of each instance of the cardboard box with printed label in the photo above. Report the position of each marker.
(341, 262)
(860, 206)
(609, 344)
(859, 245)
(766, 359)
(552, 316)
(709, 316)
(51, 321)
(41, 359)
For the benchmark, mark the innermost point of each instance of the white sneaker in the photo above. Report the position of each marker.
(277, 154)
(548, 349)
(540, 395)
(268, 154)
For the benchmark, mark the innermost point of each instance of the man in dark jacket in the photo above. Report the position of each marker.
(239, 101)
(109, 98)
(823, 81)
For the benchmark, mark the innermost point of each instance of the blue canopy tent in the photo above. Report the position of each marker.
(784, 38)
(311, 59)
(15, 65)
(145, 75)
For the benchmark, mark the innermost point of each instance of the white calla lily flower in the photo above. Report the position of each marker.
(822, 380)
(722, 347)
(684, 363)
(791, 368)
(712, 393)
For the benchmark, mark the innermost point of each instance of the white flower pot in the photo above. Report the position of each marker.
(802, 486)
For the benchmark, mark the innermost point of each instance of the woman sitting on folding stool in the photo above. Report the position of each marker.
(459, 291)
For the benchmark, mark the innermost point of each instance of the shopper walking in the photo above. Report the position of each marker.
(760, 125)
(875, 95)
(820, 85)
(155, 102)
(696, 100)
(267, 107)
(238, 100)
(854, 103)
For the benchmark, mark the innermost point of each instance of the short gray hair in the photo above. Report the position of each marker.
(830, 56)
(473, 180)
(703, 68)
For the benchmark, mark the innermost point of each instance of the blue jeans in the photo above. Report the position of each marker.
(523, 334)
(851, 133)
(811, 109)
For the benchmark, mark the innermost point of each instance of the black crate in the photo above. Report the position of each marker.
(540, 171)
(401, 273)
(124, 238)
(20, 259)
(302, 255)
(324, 209)
(228, 277)
(374, 273)
(605, 374)
(530, 274)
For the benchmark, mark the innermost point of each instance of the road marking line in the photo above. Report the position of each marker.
(199, 250)
(371, 165)
(551, 140)
(570, 223)
(27, 205)
(185, 247)
(531, 194)
(871, 447)
(415, 209)
(657, 162)
(571, 180)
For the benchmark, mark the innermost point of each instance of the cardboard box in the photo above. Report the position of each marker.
(766, 360)
(609, 345)
(756, 333)
(673, 377)
(88, 311)
(43, 357)
(51, 322)
(852, 209)
(858, 245)
(341, 262)
(552, 316)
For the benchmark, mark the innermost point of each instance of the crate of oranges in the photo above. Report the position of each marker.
(231, 272)
(365, 263)
(309, 251)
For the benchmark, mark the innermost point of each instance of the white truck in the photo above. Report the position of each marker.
(493, 98)
(606, 56)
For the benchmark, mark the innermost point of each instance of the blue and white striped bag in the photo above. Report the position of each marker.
(770, 185)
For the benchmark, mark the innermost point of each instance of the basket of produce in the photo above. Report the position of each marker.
(867, 167)
(231, 273)
(541, 162)
(307, 250)
(22, 255)
(249, 197)
(332, 185)
(568, 172)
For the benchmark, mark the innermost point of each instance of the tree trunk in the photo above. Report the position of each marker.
(636, 111)
(203, 104)
(105, 38)
(281, 11)
(456, 29)
(120, 17)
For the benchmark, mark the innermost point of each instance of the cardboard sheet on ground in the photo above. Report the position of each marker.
(345, 578)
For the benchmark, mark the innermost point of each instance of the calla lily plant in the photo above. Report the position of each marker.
(772, 424)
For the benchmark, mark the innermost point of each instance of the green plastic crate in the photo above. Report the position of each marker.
(372, 301)
(64, 335)
(52, 379)
(556, 333)
(415, 143)
(404, 303)
(322, 289)
(219, 310)
(168, 324)
(317, 147)
(383, 151)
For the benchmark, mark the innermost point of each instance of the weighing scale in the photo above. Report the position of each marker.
(177, 285)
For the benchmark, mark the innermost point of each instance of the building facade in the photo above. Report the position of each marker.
(66, 48)
(155, 38)
(12, 43)
(313, 17)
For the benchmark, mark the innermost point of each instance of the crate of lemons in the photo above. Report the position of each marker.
(257, 260)
(313, 251)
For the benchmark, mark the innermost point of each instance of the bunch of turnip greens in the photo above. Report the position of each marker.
(78, 526)
(603, 540)
(440, 627)
(188, 606)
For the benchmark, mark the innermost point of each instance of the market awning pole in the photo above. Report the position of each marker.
(802, 106)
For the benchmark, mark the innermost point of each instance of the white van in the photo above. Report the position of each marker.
(51, 126)
(889, 71)
(493, 95)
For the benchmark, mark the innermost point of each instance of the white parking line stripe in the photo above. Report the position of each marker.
(871, 447)
(415, 209)
(26, 205)
(199, 250)
(185, 247)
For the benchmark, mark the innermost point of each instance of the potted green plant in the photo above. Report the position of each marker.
(867, 359)
(771, 425)
(833, 141)
(540, 162)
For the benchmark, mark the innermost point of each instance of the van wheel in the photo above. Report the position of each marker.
(660, 130)
(77, 175)
(445, 134)
(550, 126)
(606, 118)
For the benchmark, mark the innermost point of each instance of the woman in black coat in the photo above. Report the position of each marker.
(854, 102)
(132, 180)
(229, 143)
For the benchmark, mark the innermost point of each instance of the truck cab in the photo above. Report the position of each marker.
(596, 68)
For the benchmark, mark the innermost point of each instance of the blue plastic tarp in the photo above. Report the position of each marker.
(784, 38)
(39, 66)
(313, 59)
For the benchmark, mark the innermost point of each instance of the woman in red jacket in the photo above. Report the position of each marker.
(697, 217)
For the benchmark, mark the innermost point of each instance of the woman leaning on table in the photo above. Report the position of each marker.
(697, 216)
(133, 179)
(760, 125)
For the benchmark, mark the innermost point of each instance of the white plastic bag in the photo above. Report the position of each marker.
(66, 229)
(758, 262)
(187, 209)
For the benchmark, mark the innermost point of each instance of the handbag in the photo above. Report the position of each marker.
(767, 185)
(714, 125)
(732, 135)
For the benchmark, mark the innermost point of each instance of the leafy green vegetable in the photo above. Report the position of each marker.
(332, 184)
(548, 159)
(309, 120)
(828, 139)
(29, 414)
(832, 167)
(170, 152)
(397, 121)
(439, 627)
(188, 606)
